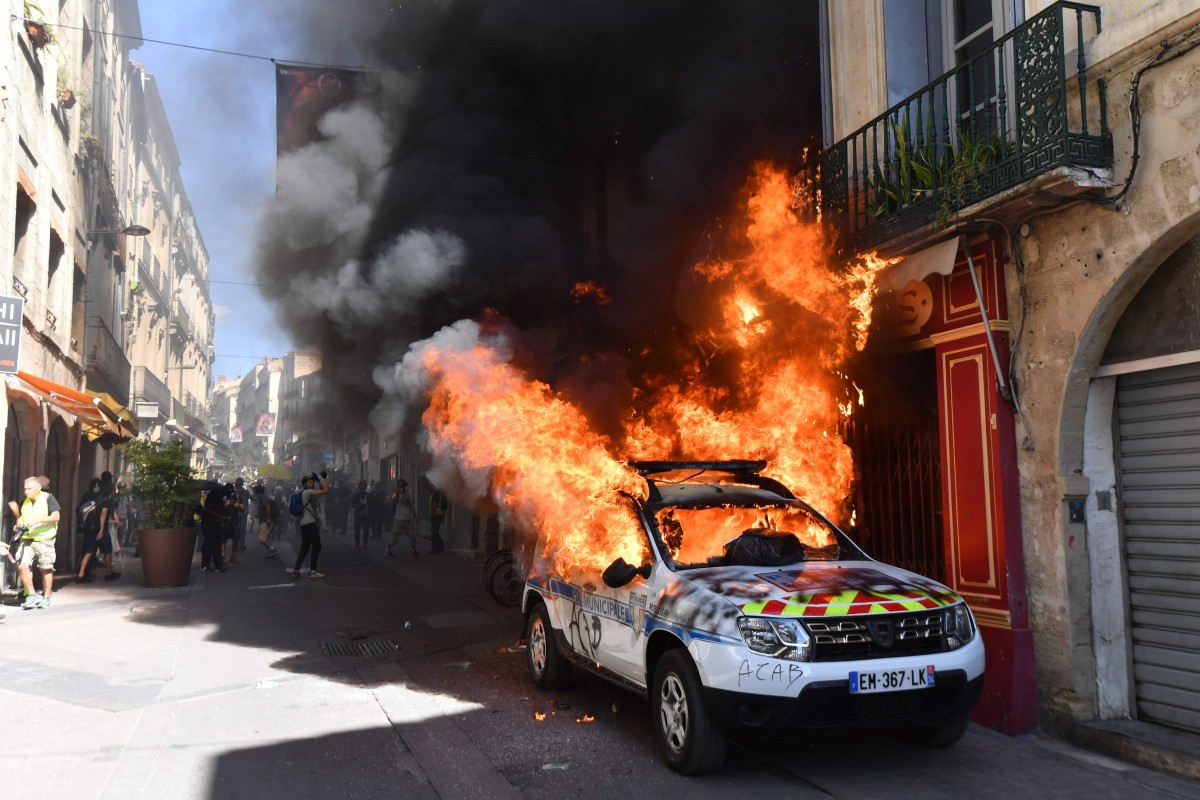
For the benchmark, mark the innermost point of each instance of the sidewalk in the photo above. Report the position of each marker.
(190, 693)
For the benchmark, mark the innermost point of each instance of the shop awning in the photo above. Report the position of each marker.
(102, 418)
(937, 259)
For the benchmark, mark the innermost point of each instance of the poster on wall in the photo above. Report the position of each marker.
(265, 426)
(303, 95)
(235, 435)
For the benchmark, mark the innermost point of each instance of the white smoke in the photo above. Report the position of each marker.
(328, 193)
(407, 384)
(327, 190)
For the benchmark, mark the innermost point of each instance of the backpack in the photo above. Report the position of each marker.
(89, 520)
(296, 505)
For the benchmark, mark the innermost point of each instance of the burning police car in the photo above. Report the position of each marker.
(751, 615)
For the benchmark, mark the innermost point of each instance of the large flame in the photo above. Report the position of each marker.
(759, 380)
(528, 451)
(787, 321)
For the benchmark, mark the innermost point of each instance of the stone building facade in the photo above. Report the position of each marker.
(1068, 412)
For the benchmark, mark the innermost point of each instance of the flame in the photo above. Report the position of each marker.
(534, 453)
(540, 716)
(784, 322)
(586, 718)
(772, 326)
(590, 289)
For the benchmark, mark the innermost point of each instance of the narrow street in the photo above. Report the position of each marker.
(248, 684)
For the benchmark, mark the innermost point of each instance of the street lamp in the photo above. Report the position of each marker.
(128, 230)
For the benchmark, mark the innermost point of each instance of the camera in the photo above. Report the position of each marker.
(20, 530)
(324, 474)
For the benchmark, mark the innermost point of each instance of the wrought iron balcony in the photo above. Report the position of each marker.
(1012, 114)
(181, 321)
(107, 366)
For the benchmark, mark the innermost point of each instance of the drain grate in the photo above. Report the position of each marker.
(375, 648)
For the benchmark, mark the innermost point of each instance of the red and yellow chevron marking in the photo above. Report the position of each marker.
(828, 604)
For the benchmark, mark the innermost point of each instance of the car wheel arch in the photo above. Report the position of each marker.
(659, 644)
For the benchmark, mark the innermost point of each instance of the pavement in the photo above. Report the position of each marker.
(117, 690)
(402, 678)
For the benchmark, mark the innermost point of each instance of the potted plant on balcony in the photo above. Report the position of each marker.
(165, 492)
(35, 25)
(66, 95)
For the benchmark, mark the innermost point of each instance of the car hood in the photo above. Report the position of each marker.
(822, 589)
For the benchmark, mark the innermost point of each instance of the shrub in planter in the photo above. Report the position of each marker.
(161, 485)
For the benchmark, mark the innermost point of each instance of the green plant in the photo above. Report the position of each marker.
(35, 16)
(907, 173)
(161, 482)
(970, 159)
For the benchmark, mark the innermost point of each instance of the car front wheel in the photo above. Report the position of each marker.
(690, 742)
(548, 668)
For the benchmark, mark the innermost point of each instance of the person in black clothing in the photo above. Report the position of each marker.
(358, 509)
(212, 529)
(376, 509)
(96, 540)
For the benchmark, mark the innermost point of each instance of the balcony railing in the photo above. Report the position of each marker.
(107, 366)
(181, 321)
(148, 387)
(1011, 114)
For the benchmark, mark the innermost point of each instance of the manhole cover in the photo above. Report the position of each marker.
(375, 648)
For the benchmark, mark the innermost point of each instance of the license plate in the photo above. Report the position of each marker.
(891, 680)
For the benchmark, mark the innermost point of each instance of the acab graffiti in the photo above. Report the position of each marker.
(772, 672)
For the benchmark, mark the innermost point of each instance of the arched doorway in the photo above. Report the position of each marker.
(1142, 458)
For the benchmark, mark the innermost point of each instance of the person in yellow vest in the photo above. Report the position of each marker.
(37, 520)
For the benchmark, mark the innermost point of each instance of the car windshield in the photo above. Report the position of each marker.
(754, 534)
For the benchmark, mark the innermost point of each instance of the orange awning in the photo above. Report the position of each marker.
(99, 420)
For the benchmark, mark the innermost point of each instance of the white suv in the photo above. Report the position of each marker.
(752, 615)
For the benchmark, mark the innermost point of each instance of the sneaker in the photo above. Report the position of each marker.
(312, 573)
(219, 569)
(205, 569)
(272, 553)
(85, 579)
(295, 573)
(45, 603)
(32, 601)
(112, 576)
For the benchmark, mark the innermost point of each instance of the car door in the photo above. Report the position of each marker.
(602, 623)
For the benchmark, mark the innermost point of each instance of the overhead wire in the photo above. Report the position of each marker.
(217, 50)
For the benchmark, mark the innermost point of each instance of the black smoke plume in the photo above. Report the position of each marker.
(516, 148)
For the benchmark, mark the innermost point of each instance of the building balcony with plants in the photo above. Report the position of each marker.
(1019, 124)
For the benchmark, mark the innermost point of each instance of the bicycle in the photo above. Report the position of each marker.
(504, 575)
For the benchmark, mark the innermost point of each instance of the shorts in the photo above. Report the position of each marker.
(39, 554)
(91, 544)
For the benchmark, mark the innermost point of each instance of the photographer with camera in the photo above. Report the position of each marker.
(37, 524)
(310, 522)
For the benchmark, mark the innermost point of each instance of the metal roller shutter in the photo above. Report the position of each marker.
(1158, 415)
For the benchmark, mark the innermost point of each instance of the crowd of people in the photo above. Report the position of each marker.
(105, 515)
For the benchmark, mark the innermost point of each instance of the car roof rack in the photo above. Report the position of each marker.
(645, 468)
(747, 469)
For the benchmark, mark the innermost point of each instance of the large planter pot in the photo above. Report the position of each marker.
(166, 556)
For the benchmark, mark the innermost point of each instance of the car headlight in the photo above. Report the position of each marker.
(958, 626)
(777, 638)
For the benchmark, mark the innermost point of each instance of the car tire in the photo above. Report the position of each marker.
(548, 668)
(690, 741)
(938, 737)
